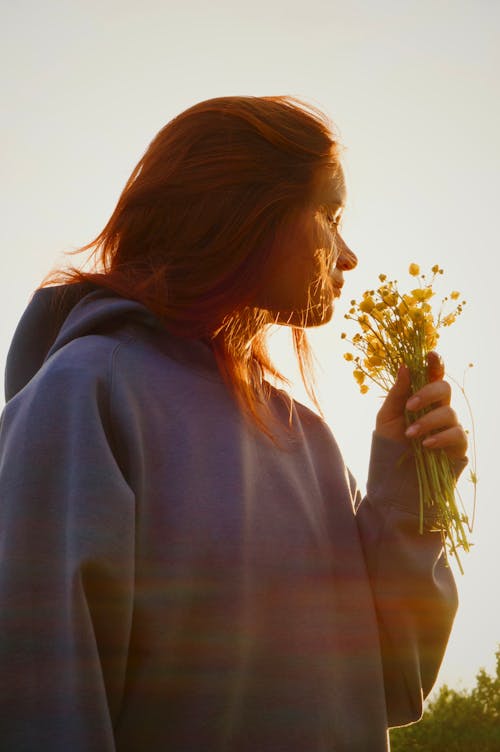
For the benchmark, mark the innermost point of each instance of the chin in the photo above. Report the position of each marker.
(318, 317)
(314, 316)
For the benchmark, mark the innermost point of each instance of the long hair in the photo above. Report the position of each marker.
(195, 226)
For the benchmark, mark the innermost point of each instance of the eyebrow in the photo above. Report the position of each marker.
(341, 198)
(333, 195)
(337, 199)
(337, 207)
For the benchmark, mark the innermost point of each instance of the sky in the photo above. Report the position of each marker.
(412, 88)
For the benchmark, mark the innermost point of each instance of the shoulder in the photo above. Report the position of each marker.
(299, 414)
(306, 425)
(74, 380)
(133, 362)
(83, 361)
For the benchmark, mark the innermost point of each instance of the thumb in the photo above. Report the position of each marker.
(435, 366)
(397, 396)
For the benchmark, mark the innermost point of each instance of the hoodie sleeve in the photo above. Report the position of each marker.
(413, 587)
(66, 562)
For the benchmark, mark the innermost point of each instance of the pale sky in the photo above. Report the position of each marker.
(412, 87)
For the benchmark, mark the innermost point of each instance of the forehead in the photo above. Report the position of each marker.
(331, 189)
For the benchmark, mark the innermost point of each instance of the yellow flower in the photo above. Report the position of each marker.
(358, 375)
(364, 323)
(414, 270)
(390, 299)
(374, 361)
(403, 311)
(382, 277)
(417, 315)
(373, 344)
(367, 305)
(431, 335)
(408, 301)
(348, 356)
(455, 295)
(422, 293)
(377, 314)
(449, 320)
(363, 389)
(431, 340)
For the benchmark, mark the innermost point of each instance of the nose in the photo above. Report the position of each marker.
(346, 259)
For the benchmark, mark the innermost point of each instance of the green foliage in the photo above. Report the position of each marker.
(465, 721)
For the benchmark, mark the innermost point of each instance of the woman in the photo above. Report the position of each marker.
(187, 564)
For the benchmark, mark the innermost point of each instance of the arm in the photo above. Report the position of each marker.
(413, 588)
(66, 566)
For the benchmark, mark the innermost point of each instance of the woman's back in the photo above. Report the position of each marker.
(196, 585)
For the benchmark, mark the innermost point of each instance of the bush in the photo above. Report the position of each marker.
(465, 721)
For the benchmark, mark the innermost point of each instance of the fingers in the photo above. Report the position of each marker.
(437, 392)
(436, 420)
(452, 440)
(439, 428)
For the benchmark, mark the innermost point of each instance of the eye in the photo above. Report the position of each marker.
(333, 218)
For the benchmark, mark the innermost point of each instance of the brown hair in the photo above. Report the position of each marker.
(196, 222)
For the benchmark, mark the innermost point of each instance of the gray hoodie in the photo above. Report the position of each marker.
(171, 579)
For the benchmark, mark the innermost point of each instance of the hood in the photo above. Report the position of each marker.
(58, 315)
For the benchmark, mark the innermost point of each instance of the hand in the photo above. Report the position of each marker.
(439, 428)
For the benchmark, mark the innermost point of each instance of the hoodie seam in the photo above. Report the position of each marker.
(111, 380)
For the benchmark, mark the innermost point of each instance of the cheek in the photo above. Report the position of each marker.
(302, 257)
(315, 240)
(325, 247)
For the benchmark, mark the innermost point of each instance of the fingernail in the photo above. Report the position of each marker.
(429, 442)
(413, 403)
(412, 430)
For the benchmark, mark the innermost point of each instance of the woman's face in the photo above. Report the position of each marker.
(307, 264)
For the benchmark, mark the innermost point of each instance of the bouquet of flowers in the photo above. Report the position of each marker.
(398, 329)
